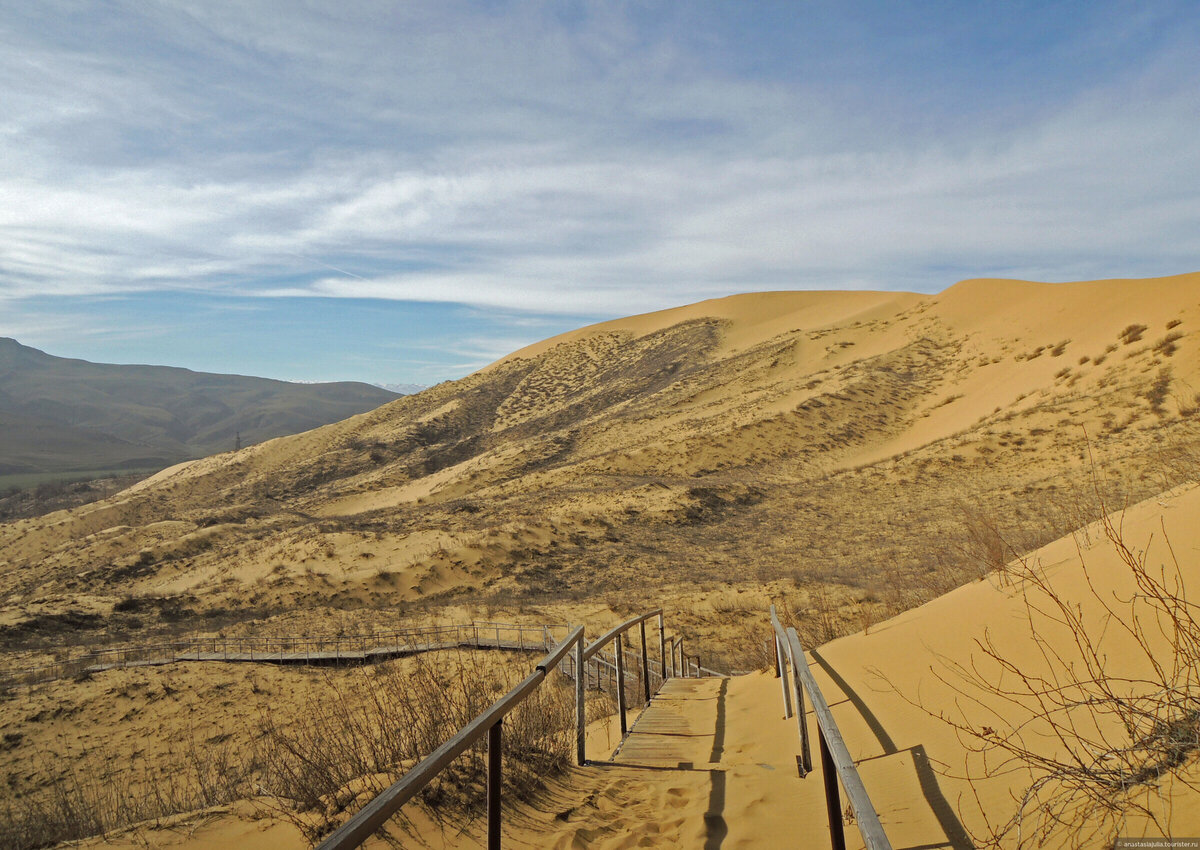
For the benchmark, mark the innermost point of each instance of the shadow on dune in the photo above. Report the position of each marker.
(956, 834)
(715, 827)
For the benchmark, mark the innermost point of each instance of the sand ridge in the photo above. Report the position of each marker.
(855, 454)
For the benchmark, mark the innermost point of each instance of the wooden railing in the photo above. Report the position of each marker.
(836, 762)
(616, 637)
(377, 812)
(584, 665)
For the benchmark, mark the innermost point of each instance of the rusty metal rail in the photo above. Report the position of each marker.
(836, 762)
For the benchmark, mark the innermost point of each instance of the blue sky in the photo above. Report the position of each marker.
(402, 192)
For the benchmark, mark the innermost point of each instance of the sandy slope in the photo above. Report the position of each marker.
(760, 424)
(855, 454)
(904, 669)
(732, 781)
(886, 688)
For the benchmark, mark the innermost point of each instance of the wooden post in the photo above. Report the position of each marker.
(682, 660)
(833, 799)
(662, 648)
(493, 785)
(580, 703)
(645, 664)
(802, 721)
(621, 686)
(783, 680)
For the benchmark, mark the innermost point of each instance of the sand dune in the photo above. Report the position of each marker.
(853, 455)
(731, 779)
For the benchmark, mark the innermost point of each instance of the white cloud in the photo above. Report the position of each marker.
(513, 161)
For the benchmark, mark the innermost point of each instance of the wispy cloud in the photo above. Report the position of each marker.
(593, 160)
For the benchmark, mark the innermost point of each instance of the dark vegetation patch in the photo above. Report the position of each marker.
(1131, 334)
(48, 496)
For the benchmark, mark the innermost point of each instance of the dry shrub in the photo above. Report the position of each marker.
(362, 731)
(1119, 733)
(361, 735)
(1158, 391)
(96, 797)
(1132, 333)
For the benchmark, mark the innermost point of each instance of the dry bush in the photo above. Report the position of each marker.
(94, 797)
(363, 729)
(1158, 390)
(360, 736)
(1132, 334)
(1096, 742)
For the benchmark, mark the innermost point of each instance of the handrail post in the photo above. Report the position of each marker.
(833, 800)
(682, 660)
(783, 679)
(662, 648)
(645, 664)
(801, 719)
(580, 702)
(621, 686)
(493, 784)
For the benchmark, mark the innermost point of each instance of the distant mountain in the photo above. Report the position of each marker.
(402, 389)
(61, 415)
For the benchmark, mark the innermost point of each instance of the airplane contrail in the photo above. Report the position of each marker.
(326, 265)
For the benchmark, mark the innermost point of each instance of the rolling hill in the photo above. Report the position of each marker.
(60, 415)
(863, 451)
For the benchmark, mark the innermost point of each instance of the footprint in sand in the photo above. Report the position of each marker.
(677, 798)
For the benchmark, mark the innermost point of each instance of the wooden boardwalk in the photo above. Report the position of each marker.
(681, 728)
(341, 657)
(316, 651)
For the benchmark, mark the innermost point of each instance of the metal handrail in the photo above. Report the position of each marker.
(836, 762)
(372, 816)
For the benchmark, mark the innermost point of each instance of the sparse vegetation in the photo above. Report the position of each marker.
(349, 734)
(1131, 334)
(1159, 390)
(1123, 729)
(361, 735)
(618, 470)
(1166, 346)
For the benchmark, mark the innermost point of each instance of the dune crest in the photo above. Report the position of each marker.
(854, 456)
